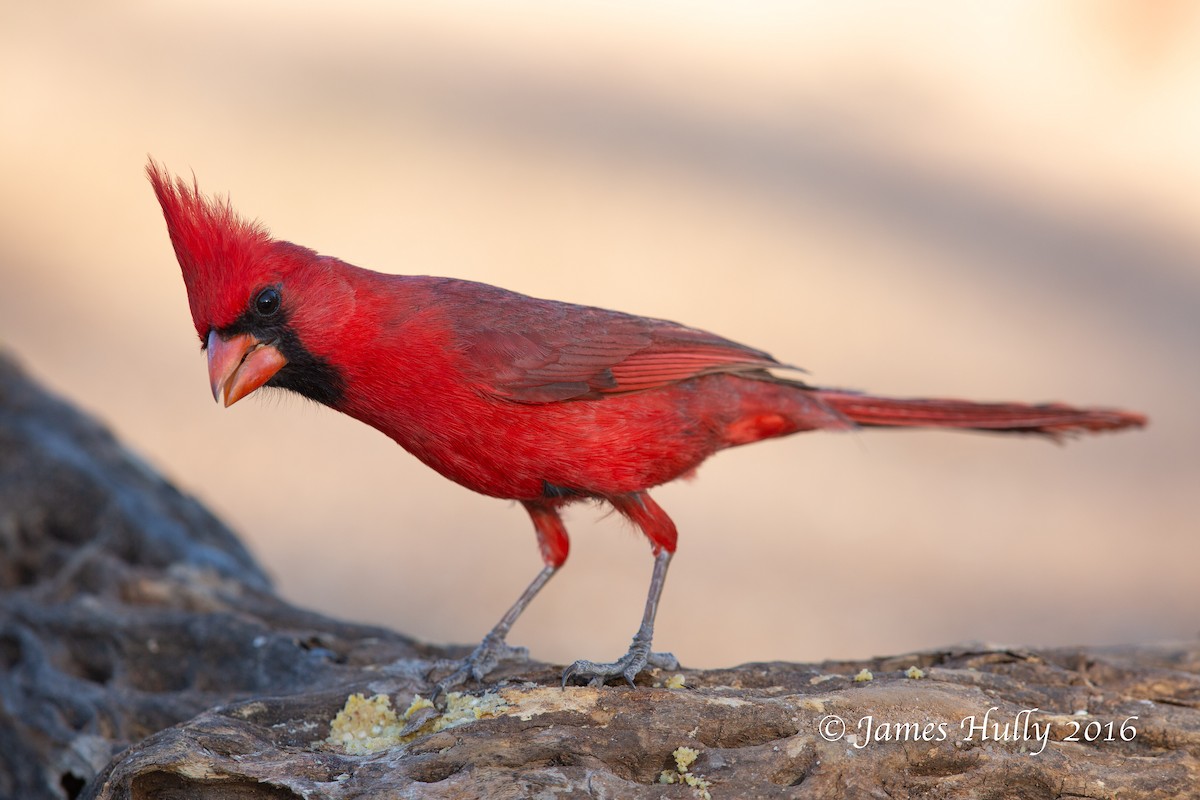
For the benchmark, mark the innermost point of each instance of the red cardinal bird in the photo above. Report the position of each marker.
(533, 400)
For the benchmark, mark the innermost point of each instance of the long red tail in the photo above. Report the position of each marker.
(1052, 419)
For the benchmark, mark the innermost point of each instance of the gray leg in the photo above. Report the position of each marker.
(639, 656)
(493, 648)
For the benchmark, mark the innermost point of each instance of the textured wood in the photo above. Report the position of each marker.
(756, 728)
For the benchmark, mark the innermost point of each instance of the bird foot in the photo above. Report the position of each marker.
(482, 660)
(628, 666)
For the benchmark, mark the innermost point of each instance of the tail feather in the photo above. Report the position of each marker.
(1051, 419)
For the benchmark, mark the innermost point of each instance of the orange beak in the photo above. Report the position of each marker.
(239, 365)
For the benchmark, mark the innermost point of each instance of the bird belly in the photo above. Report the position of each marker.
(594, 447)
(560, 451)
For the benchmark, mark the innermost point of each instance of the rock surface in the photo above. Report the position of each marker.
(143, 655)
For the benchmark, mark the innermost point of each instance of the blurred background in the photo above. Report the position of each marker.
(989, 200)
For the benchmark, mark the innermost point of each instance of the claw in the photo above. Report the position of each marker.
(628, 666)
(482, 660)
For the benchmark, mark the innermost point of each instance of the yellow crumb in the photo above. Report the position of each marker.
(915, 672)
(364, 726)
(684, 758)
(864, 676)
(675, 682)
(463, 708)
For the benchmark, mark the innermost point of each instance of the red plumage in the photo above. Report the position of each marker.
(515, 397)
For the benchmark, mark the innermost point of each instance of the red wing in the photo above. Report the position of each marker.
(539, 351)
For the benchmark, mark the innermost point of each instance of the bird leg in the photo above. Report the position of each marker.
(494, 649)
(639, 655)
(554, 544)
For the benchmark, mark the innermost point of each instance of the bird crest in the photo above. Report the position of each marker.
(223, 257)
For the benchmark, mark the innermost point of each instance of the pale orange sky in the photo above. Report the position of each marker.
(993, 200)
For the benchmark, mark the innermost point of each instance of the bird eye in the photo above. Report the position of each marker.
(267, 302)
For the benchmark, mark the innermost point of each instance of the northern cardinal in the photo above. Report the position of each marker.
(533, 400)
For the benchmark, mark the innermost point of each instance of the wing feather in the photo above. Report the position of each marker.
(540, 351)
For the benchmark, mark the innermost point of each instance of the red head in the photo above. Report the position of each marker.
(250, 295)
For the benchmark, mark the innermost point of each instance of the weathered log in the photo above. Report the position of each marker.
(144, 655)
